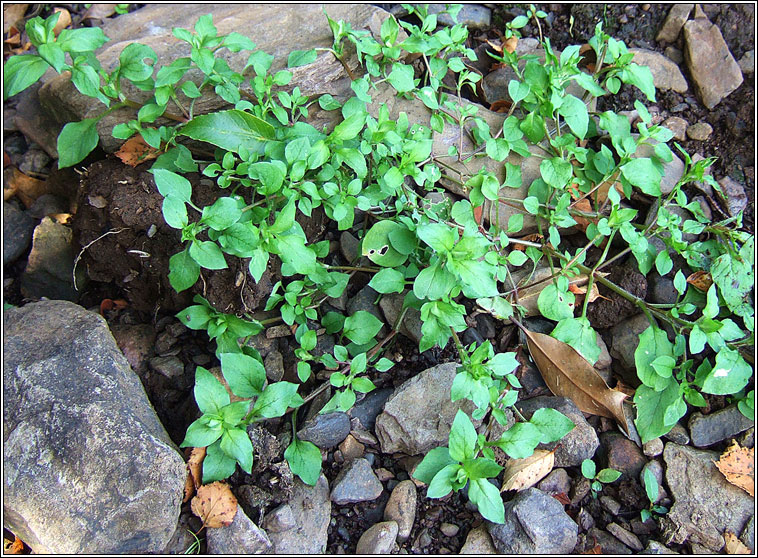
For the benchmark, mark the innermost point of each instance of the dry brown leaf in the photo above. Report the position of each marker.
(521, 474)
(215, 504)
(194, 472)
(16, 546)
(568, 374)
(701, 280)
(100, 11)
(11, 14)
(510, 44)
(64, 20)
(541, 278)
(501, 105)
(135, 151)
(736, 464)
(497, 47)
(26, 188)
(734, 545)
(581, 291)
(535, 237)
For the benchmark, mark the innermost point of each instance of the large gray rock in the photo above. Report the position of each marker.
(666, 74)
(715, 73)
(577, 445)
(18, 228)
(626, 338)
(706, 430)
(88, 466)
(356, 483)
(49, 269)
(303, 529)
(241, 537)
(535, 523)
(418, 416)
(705, 503)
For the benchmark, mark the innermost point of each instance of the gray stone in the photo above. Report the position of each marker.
(378, 539)
(401, 507)
(611, 504)
(274, 365)
(747, 62)
(715, 73)
(349, 247)
(88, 466)
(678, 126)
(535, 523)
(556, 482)
(748, 534)
(182, 539)
(666, 74)
(653, 448)
(747, 440)
(673, 53)
(326, 431)
(48, 204)
(678, 434)
(736, 198)
(622, 454)
(449, 529)
(705, 503)
(356, 482)
(171, 367)
(368, 408)
(136, 342)
(242, 536)
(608, 543)
(625, 339)
(18, 229)
(34, 161)
(473, 16)
(661, 290)
(49, 270)
(478, 541)
(604, 361)
(655, 547)
(279, 519)
(419, 414)
(699, 131)
(577, 445)
(311, 510)
(392, 306)
(706, 430)
(628, 538)
(678, 15)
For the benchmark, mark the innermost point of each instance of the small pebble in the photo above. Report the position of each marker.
(645, 7)
(610, 504)
(700, 131)
(653, 448)
(449, 530)
(678, 126)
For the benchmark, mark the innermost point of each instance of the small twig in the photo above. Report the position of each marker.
(78, 257)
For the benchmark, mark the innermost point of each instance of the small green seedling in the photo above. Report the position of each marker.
(597, 480)
(651, 489)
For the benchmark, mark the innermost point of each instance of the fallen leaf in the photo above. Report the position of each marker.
(581, 291)
(734, 545)
(736, 464)
(62, 218)
(536, 282)
(194, 472)
(583, 222)
(11, 14)
(521, 474)
(597, 549)
(107, 304)
(562, 497)
(497, 47)
(701, 280)
(536, 237)
(16, 546)
(501, 105)
(26, 188)
(215, 504)
(100, 11)
(135, 151)
(64, 20)
(510, 44)
(568, 374)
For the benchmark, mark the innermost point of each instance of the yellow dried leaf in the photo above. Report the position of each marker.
(11, 14)
(701, 280)
(734, 545)
(100, 11)
(736, 464)
(26, 188)
(521, 474)
(64, 20)
(194, 472)
(215, 504)
(136, 151)
(510, 44)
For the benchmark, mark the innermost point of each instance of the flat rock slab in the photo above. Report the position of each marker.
(88, 466)
(705, 503)
(666, 73)
(241, 537)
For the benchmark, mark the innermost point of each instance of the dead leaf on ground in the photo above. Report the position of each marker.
(26, 188)
(496, 46)
(15, 546)
(581, 291)
(535, 237)
(734, 545)
(135, 151)
(736, 464)
(510, 44)
(701, 280)
(64, 20)
(215, 504)
(597, 549)
(501, 105)
(562, 497)
(521, 474)
(534, 283)
(11, 14)
(568, 374)
(100, 11)
(194, 472)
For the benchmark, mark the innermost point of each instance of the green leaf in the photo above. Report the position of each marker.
(503, 363)
(301, 58)
(244, 374)
(233, 413)
(533, 125)
(304, 459)
(555, 304)
(642, 77)
(362, 385)
(578, 333)
(76, 141)
(210, 395)
(195, 317)
(556, 172)
(275, 399)
(520, 440)
(574, 111)
(487, 499)
(327, 102)
(349, 128)
(643, 174)
(433, 283)
(663, 263)
(462, 437)
(183, 271)
(589, 469)
(81, 40)
(200, 434)
(171, 184)
(207, 254)
(361, 327)
(388, 280)
(223, 213)
(236, 443)
(433, 463)
(608, 475)
(658, 411)
(651, 485)
(442, 483)
(481, 468)
(21, 71)
(439, 237)
(217, 465)
(132, 62)
(532, 205)
(653, 344)
(730, 373)
(231, 130)
(553, 425)
(236, 42)
(377, 246)
(401, 78)
(517, 90)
